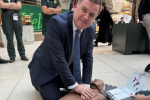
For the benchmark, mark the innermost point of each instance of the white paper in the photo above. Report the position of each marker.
(135, 84)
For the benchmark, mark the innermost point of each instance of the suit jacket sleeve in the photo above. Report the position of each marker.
(87, 59)
(56, 49)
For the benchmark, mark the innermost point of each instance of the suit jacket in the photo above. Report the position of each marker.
(121, 23)
(52, 57)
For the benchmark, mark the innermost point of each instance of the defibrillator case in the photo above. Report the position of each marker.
(135, 84)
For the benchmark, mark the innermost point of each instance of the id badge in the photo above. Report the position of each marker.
(15, 16)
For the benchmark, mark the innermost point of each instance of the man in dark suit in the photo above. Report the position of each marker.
(55, 62)
(122, 21)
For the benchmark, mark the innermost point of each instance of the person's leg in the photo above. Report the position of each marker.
(97, 39)
(18, 32)
(110, 37)
(136, 10)
(8, 31)
(133, 11)
(44, 25)
(50, 90)
(146, 20)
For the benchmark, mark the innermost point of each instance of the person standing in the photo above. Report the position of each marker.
(135, 6)
(56, 63)
(144, 18)
(122, 21)
(105, 23)
(11, 23)
(49, 9)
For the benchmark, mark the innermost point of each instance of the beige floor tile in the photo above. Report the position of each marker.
(25, 91)
(112, 67)
(6, 88)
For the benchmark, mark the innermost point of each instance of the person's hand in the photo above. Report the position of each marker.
(142, 23)
(139, 97)
(13, 3)
(1, 1)
(85, 91)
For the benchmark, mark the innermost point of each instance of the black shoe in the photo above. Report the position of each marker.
(109, 44)
(2, 61)
(24, 58)
(11, 60)
(147, 68)
(95, 45)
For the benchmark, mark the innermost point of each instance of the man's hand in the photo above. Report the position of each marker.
(142, 23)
(13, 3)
(139, 97)
(85, 91)
(1, 1)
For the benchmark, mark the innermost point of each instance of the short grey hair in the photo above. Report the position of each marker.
(99, 2)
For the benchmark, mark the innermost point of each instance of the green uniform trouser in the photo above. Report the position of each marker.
(45, 20)
(10, 27)
(44, 25)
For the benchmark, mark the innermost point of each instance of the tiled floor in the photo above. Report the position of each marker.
(110, 66)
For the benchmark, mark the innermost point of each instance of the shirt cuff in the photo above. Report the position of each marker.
(87, 85)
(73, 86)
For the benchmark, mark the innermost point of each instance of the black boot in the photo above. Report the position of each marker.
(109, 44)
(95, 44)
(2, 61)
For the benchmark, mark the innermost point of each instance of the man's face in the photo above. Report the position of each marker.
(85, 13)
(122, 19)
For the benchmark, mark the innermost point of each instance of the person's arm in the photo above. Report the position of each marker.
(54, 41)
(6, 5)
(46, 10)
(16, 6)
(141, 97)
(56, 47)
(87, 57)
(56, 10)
(87, 60)
(110, 20)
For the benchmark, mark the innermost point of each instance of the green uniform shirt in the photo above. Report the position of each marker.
(49, 3)
(45, 17)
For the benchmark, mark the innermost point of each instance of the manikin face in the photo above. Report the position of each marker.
(85, 13)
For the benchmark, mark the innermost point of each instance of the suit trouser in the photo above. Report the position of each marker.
(146, 20)
(51, 89)
(9, 27)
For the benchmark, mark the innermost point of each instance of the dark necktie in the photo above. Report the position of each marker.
(76, 63)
